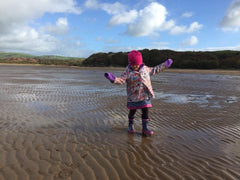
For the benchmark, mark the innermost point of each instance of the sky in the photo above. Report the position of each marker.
(79, 28)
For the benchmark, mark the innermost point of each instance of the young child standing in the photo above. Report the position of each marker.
(139, 87)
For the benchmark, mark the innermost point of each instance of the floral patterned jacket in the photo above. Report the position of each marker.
(139, 85)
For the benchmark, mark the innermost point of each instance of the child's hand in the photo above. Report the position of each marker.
(119, 81)
(168, 62)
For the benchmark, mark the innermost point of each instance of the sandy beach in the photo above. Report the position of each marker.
(71, 123)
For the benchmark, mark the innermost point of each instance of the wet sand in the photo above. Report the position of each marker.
(70, 123)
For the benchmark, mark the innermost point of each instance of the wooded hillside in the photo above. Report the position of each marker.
(188, 59)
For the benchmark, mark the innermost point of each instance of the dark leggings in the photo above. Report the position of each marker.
(133, 111)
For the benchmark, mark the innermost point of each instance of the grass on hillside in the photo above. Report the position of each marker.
(4, 55)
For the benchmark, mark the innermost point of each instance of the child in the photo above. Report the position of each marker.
(139, 88)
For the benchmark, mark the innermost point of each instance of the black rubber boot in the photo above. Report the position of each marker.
(130, 126)
(145, 130)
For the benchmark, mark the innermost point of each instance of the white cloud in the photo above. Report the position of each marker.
(17, 35)
(147, 21)
(116, 8)
(153, 18)
(193, 40)
(195, 26)
(167, 25)
(13, 12)
(125, 17)
(60, 28)
(187, 15)
(92, 4)
(26, 38)
(110, 8)
(150, 19)
(231, 21)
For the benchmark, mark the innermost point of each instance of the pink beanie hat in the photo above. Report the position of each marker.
(135, 58)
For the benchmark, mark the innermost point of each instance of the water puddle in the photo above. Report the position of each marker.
(202, 100)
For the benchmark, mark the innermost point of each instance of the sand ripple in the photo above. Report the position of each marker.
(62, 123)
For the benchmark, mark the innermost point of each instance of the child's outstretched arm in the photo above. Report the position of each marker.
(159, 68)
(113, 79)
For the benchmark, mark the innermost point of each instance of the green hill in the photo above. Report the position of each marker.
(4, 55)
(21, 58)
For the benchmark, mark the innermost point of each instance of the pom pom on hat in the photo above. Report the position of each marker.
(135, 58)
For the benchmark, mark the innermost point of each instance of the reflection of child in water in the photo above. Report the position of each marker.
(139, 88)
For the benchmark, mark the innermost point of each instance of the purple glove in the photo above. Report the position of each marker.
(111, 77)
(168, 62)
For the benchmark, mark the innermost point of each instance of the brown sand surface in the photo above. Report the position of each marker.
(66, 123)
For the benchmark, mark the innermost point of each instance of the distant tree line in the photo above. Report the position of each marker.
(187, 59)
